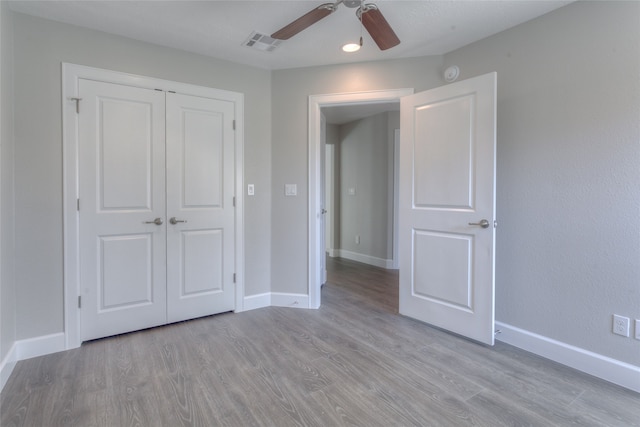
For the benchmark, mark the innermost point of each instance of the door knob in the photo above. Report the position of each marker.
(174, 221)
(483, 223)
(157, 221)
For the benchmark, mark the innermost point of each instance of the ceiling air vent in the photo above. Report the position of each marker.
(261, 42)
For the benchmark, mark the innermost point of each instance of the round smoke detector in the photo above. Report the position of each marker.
(451, 73)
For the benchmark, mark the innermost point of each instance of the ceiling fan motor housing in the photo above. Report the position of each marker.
(352, 3)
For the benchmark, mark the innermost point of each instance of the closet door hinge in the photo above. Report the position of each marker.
(78, 205)
(234, 277)
(79, 301)
(77, 104)
(234, 125)
(234, 201)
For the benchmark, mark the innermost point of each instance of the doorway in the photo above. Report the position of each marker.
(361, 176)
(316, 173)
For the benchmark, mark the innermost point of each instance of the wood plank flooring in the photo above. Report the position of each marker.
(353, 362)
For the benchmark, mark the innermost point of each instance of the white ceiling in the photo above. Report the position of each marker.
(219, 28)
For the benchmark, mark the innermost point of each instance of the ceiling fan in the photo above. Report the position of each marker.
(369, 14)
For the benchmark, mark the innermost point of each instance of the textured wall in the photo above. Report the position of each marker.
(40, 47)
(364, 151)
(568, 202)
(7, 283)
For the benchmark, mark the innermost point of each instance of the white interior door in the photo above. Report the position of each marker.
(200, 211)
(121, 190)
(447, 188)
(323, 203)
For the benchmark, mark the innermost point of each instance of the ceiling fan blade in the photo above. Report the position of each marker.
(305, 21)
(378, 27)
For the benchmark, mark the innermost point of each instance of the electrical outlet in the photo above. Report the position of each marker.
(357, 239)
(638, 329)
(621, 325)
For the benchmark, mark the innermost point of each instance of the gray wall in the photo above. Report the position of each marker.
(364, 152)
(7, 283)
(290, 91)
(568, 202)
(40, 47)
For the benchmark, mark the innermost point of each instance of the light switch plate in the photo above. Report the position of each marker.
(290, 189)
(251, 190)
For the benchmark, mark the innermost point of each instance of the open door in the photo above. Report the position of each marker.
(447, 207)
(323, 203)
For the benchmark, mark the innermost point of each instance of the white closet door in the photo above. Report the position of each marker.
(200, 206)
(121, 188)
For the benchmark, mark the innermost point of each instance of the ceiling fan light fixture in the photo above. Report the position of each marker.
(351, 47)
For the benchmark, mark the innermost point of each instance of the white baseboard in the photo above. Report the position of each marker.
(253, 302)
(39, 346)
(26, 349)
(289, 300)
(332, 252)
(612, 370)
(365, 259)
(276, 299)
(7, 365)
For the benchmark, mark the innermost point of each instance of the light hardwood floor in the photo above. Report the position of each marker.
(354, 361)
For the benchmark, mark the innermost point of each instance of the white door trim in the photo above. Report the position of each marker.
(71, 74)
(396, 196)
(316, 102)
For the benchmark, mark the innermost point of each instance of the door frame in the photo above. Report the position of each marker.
(71, 74)
(316, 102)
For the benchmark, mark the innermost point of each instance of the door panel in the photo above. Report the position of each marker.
(121, 187)
(443, 167)
(200, 189)
(443, 274)
(125, 264)
(202, 261)
(447, 184)
(202, 148)
(124, 180)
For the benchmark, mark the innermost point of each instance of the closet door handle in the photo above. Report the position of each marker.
(483, 223)
(174, 221)
(157, 221)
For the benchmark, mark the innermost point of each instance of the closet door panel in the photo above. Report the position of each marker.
(121, 187)
(200, 206)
